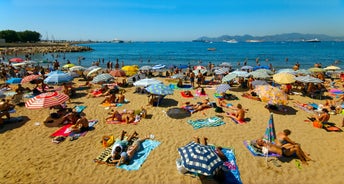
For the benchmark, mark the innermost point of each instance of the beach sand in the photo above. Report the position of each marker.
(29, 156)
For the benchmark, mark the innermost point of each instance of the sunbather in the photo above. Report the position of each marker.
(221, 100)
(120, 145)
(238, 112)
(321, 118)
(287, 152)
(200, 106)
(81, 125)
(70, 117)
(127, 156)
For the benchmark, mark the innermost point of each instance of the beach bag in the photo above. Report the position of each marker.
(107, 141)
(317, 124)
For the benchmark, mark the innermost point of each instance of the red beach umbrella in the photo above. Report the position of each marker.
(16, 60)
(45, 100)
(29, 78)
(117, 73)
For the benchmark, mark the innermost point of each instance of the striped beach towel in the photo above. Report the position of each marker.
(209, 122)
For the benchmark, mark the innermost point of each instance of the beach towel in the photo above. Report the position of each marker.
(174, 86)
(208, 122)
(140, 157)
(120, 122)
(232, 174)
(80, 108)
(186, 96)
(303, 107)
(146, 147)
(111, 104)
(250, 97)
(235, 120)
(257, 152)
(198, 93)
(64, 131)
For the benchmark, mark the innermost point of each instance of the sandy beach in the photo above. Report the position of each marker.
(29, 156)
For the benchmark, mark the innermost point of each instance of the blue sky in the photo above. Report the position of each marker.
(170, 20)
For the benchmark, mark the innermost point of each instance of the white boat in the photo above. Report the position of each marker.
(254, 41)
(313, 40)
(117, 41)
(231, 41)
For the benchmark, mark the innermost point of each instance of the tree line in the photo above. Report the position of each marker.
(11, 36)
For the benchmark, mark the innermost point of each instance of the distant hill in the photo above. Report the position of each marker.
(289, 37)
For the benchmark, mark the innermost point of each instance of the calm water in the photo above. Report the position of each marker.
(168, 53)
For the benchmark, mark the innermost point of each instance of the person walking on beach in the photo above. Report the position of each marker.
(192, 79)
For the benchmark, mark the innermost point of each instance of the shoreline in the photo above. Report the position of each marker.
(42, 47)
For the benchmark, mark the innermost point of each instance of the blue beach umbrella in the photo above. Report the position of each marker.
(270, 132)
(261, 67)
(55, 72)
(200, 159)
(182, 66)
(158, 67)
(159, 89)
(58, 78)
(14, 81)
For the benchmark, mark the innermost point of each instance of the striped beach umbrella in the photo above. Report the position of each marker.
(103, 78)
(58, 78)
(158, 67)
(229, 77)
(270, 132)
(200, 159)
(46, 100)
(222, 88)
(30, 78)
(159, 89)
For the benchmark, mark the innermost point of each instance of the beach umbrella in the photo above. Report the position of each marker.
(178, 113)
(146, 82)
(332, 68)
(287, 70)
(73, 74)
(259, 82)
(308, 79)
(199, 67)
(265, 70)
(183, 66)
(45, 100)
(77, 69)
(158, 67)
(58, 78)
(221, 71)
(103, 78)
(55, 72)
(303, 72)
(271, 94)
(315, 70)
(229, 77)
(203, 71)
(68, 65)
(30, 78)
(241, 73)
(247, 68)
(270, 132)
(261, 67)
(14, 80)
(91, 68)
(94, 71)
(130, 70)
(261, 74)
(200, 159)
(284, 78)
(225, 64)
(178, 76)
(17, 60)
(117, 73)
(222, 88)
(146, 68)
(159, 89)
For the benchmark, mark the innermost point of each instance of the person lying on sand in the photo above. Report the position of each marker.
(287, 152)
(81, 125)
(119, 147)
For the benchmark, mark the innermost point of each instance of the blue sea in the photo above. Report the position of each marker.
(279, 54)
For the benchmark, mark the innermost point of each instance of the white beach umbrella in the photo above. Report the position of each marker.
(146, 82)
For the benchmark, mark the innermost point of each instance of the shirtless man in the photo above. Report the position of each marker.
(81, 125)
(120, 97)
(239, 112)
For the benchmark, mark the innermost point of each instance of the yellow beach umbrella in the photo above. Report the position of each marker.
(68, 65)
(271, 94)
(315, 70)
(284, 78)
(130, 69)
(332, 68)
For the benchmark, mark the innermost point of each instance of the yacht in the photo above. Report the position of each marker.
(253, 41)
(313, 40)
(231, 41)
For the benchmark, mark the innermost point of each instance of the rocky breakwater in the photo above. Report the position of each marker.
(31, 48)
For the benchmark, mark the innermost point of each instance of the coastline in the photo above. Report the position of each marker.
(42, 47)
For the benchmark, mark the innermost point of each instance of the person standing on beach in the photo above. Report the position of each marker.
(117, 64)
(192, 79)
